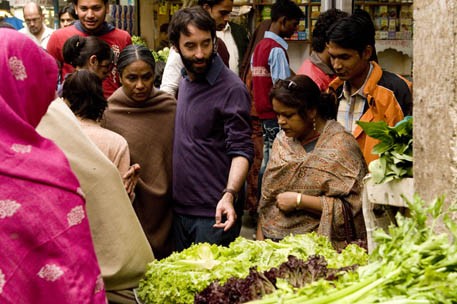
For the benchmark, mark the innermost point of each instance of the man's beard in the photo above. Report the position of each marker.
(35, 30)
(198, 72)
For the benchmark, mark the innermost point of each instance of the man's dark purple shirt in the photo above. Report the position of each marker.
(212, 126)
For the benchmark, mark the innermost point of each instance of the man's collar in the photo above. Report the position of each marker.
(277, 38)
(215, 69)
(226, 28)
(104, 29)
(347, 86)
(316, 60)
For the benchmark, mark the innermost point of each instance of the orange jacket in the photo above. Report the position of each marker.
(384, 92)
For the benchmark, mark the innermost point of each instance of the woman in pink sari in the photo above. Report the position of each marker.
(46, 255)
(313, 181)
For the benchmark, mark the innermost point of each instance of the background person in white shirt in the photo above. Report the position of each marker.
(220, 11)
(236, 38)
(35, 27)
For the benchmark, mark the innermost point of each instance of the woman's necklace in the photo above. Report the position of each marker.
(312, 138)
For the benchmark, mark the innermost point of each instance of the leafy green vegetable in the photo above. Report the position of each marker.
(160, 55)
(179, 277)
(291, 274)
(395, 149)
(411, 264)
(137, 40)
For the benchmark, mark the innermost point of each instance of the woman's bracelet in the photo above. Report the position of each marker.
(298, 200)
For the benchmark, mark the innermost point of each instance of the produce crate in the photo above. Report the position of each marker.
(387, 194)
(137, 298)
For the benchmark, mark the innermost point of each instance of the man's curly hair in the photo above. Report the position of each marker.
(324, 21)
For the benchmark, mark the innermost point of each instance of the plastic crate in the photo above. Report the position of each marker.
(392, 193)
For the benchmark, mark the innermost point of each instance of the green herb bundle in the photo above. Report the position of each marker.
(395, 149)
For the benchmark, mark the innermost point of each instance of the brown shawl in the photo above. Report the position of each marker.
(333, 171)
(148, 128)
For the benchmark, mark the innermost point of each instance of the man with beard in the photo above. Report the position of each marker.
(220, 11)
(212, 146)
(91, 14)
(36, 29)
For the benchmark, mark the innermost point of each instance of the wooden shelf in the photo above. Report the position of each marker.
(375, 3)
(243, 4)
(299, 4)
(308, 8)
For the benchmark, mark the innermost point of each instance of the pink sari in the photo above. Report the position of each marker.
(46, 255)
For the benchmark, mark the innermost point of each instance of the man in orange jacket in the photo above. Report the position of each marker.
(365, 92)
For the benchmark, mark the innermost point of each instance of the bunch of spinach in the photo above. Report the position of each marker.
(395, 149)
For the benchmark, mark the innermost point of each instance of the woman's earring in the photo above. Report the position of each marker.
(314, 124)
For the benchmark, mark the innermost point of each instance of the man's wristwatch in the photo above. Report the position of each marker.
(232, 192)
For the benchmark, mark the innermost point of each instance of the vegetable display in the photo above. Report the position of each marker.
(294, 272)
(179, 277)
(411, 264)
(395, 149)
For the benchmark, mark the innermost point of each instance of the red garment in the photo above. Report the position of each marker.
(311, 70)
(117, 39)
(223, 51)
(261, 77)
(252, 190)
(257, 36)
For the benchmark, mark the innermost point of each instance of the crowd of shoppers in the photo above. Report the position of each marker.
(116, 172)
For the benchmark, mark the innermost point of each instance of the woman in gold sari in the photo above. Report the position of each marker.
(313, 181)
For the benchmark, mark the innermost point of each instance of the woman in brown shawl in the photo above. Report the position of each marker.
(313, 181)
(145, 117)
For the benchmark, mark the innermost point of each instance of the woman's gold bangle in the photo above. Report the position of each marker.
(298, 200)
